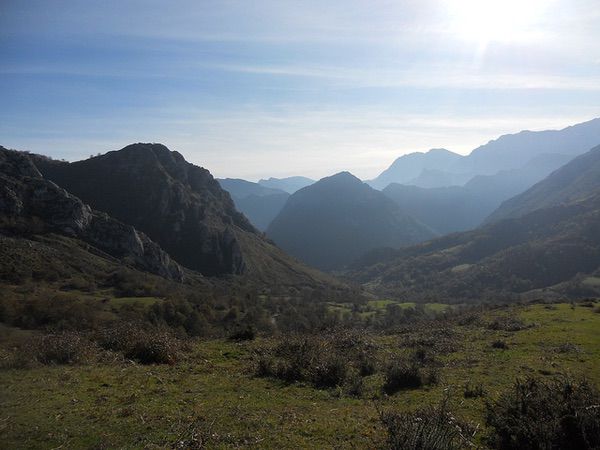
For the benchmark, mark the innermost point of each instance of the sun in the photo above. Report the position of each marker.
(485, 21)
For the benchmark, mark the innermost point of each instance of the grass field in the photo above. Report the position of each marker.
(374, 308)
(212, 396)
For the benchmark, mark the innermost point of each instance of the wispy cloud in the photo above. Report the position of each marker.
(434, 76)
(280, 87)
(253, 143)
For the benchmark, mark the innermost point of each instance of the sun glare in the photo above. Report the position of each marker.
(495, 20)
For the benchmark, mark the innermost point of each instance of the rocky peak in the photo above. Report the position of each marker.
(31, 204)
(179, 205)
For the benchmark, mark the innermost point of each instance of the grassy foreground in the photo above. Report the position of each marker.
(212, 397)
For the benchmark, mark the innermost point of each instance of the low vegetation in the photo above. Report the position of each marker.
(431, 428)
(540, 414)
(140, 386)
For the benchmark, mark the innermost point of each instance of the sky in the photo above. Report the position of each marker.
(252, 89)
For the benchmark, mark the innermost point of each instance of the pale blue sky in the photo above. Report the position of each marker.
(275, 88)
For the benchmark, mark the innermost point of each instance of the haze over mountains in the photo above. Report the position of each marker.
(574, 182)
(550, 247)
(289, 184)
(460, 208)
(408, 168)
(153, 211)
(259, 203)
(180, 206)
(335, 220)
(445, 191)
(508, 152)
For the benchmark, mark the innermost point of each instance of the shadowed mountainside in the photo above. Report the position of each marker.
(31, 205)
(335, 220)
(460, 208)
(551, 250)
(574, 181)
(183, 208)
(259, 204)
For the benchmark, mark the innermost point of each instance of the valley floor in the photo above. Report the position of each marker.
(212, 397)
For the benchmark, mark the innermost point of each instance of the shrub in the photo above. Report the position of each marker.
(434, 339)
(568, 347)
(329, 372)
(537, 414)
(147, 346)
(433, 428)
(508, 324)
(325, 360)
(158, 347)
(366, 364)
(402, 375)
(247, 333)
(264, 366)
(500, 344)
(474, 390)
(468, 319)
(119, 337)
(61, 348)
(354, 386)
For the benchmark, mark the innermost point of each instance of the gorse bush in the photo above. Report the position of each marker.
(420, 369)
(545, 415)
(158, 347)
(472, 390)
(434, 338)
(61, 348)
(329, 371)
(433, 428)
(506, 323)
(243, 333)
(402, 375)
(325, 361)
(146, 345)
(500, 344)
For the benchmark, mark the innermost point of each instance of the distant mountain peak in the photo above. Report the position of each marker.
(507, 152)
(344, 176)
(578, 179)
(441, 150)
(288, 184)
(181, 207)
(335, 220)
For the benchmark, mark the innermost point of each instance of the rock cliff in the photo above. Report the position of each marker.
(31, 204)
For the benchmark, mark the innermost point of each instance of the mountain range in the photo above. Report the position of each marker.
(443, 190)
(572, 183)
(330, 223)
(441, 168)
(460, 208)
(533, 220)
(32, 205)
(542, 243)
(259, 204)
(289, 184)
(156, 205)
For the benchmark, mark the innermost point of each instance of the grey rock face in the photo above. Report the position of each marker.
(30, 204)
(177, 204)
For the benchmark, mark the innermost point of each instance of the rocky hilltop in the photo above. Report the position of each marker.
(337, 219)
(176, 203)
(33, 205)
(181, 207)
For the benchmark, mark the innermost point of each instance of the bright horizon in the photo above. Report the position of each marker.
(293, 88)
